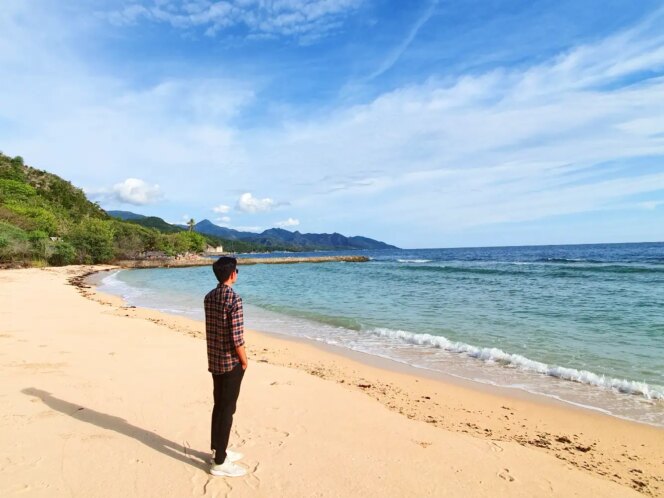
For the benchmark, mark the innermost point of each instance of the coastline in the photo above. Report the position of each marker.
(490, 439)
(196, 260)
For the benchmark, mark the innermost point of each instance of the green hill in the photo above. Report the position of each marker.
(44, 219)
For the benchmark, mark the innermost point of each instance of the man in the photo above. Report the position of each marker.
(227, 361)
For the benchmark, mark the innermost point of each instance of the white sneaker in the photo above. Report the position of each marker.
(228, 469)
(231, 455)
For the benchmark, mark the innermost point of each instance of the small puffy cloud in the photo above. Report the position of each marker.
(290, 222)
(137, 192)
(131, 191)
(250, 204)
(221, 209)
(223, 219)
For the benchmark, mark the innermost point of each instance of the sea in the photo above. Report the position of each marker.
(583, 324)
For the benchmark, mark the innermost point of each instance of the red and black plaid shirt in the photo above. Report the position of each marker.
(224, 328)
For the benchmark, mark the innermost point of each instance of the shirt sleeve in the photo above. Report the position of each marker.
(237, 323)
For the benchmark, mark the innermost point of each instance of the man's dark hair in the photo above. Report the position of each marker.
(223, 268)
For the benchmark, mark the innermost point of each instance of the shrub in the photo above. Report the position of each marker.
(38, 242)
(15, 190)
(14, 244)
(62, 253)
(42, 218)
(93, 241)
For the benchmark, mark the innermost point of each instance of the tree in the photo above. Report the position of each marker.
(93, 241)
(191, 224)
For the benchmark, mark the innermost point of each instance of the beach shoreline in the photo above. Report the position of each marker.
(616, 455)
(366, 371)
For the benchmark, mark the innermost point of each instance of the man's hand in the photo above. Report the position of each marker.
(242, 354)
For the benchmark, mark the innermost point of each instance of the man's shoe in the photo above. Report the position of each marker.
(228, 469)
(231, 455)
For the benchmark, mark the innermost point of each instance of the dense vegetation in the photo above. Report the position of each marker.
(46, 220)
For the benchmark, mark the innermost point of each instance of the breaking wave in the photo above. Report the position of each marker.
(523, 363)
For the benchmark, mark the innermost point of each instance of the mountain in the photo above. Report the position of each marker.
(209, 228)
(272, 239)
(126, 215)
(146, 221)
(295, 240)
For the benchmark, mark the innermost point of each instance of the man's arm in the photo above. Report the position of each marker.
(237, 332)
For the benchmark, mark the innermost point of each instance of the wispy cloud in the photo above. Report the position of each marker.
(304, 21)
(396, 53)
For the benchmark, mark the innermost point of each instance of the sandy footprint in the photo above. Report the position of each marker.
(505, 474)
(495, 447)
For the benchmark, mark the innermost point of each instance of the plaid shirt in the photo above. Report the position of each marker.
(224, 328)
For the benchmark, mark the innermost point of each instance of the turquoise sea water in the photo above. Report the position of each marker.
(584, 324)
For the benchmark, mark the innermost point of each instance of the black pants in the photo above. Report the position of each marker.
(226, 392)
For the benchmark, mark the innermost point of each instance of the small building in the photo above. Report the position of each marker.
(215, 250)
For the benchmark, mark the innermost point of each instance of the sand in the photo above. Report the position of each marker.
(101, 399)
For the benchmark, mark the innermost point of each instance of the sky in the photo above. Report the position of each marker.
(421, 123)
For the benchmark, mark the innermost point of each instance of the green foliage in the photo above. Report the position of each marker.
(62, 253)
(130, 240)
(156, 223)
(11, 169)
(93, 241)
(41, 218)
(15, 190)
(14, 243)
(188, 242)
(39, 242)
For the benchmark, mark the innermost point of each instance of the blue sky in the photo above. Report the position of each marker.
(421, 123)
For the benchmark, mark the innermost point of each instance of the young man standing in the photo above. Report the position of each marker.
(227, 361)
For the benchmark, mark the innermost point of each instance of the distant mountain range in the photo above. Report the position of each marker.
(272, 238)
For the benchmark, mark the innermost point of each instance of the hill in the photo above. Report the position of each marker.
(293, 240)
(273, 239)
(44, 219)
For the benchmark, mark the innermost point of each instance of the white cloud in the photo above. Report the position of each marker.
(254, 229)
(250, 204)
(304, 21)
(223, 219)
(137, 192)
(131, 191)
(221, 209)
(290, 222)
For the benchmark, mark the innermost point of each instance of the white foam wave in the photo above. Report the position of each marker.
(523, 363)
(113, 285)
(414, 260)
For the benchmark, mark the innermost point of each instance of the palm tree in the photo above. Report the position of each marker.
(191, 224)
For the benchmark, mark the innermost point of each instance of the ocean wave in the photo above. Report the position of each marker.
(464, 269)
(414, 260)
(610, 268)
(567, 260)
(523, 363)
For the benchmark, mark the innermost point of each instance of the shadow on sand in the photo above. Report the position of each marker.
(121, 426)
